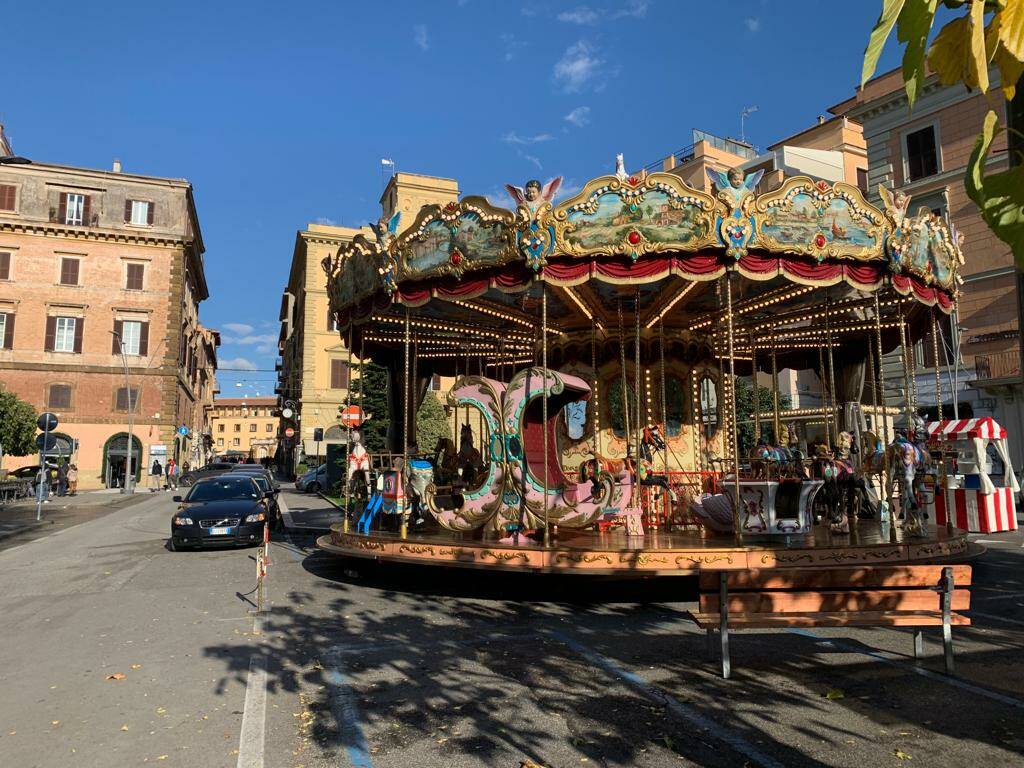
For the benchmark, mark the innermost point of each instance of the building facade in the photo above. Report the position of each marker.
(313, 372)
(101, 277)
(245, 427)
(924, 153)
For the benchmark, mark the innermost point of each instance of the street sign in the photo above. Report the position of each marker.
(287, 413)
(46, 442)
(47, 421)
(352, 416)
(183, 430)
(318, 434)
(289, 432)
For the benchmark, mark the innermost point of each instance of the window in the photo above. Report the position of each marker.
(6, 330)
(133, 334)
(862, 180)
(220, 441)
(58, 397)
(68, 271)
(125, 397)
(74, 208)
(235, 441)
(133, 276)
(5, 265)
(270, 427)
(65, 330)
(220, 427)
(238, 427)
(339, 374)
(138, 212)
(435, 383)
(7, 197)
(921, 153)
(252, 427)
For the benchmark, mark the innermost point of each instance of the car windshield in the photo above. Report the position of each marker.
(222, 489)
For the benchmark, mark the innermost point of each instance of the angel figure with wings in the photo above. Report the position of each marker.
(386, 233)
(896, 204)
(534, 197)
(734, 187)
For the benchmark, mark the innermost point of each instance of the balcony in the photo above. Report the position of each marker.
(998, 367)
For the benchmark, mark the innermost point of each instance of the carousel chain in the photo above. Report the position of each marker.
(664, 399)
(776, 422)
(348, 404)
(904, 353)
(405, 419)
(622, 377)
(596, 409)
(733, 436)
(943, 482)
(754, 393)
(636, 379)
(831, 372)
(886, 473)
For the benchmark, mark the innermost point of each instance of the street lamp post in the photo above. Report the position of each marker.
(129, 474)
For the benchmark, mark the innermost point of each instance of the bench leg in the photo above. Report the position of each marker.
(918, 644)
(947, 625)
(723, 627)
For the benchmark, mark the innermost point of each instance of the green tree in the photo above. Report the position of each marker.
(431, 422)
(745, 413)
(962, 52)
(374, 388)
(17, 426)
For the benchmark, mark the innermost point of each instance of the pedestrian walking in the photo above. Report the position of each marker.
(62, 478)
(169, 469)
(72, 479)
(156, 473)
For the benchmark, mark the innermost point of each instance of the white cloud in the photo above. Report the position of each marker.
(242, 329)
(512, 45)
(514, 138)
(241, 363)
(577, 67)
(532, 159)
(421, 37)
(636, 9)
(580, 15)
(578, 117)
(264, 342)
(568, 189)
(325, 220)
(752, 23)
(528, 10)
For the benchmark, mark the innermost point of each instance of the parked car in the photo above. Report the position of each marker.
(314, 481)
(227, 510)
(210, 470)
(266, 484)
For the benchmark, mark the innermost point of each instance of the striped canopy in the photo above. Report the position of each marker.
(985, 427)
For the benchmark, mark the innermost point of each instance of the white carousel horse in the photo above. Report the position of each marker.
(358, 466)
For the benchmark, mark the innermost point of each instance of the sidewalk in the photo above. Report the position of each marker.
(20, 516)
(307, 511)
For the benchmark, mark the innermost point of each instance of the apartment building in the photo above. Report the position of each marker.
(245, 427)
(101, 277)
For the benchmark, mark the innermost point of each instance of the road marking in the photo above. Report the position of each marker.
(254, 715)
(674, 706)
(286, 514)
(883, 656)
(346, 713)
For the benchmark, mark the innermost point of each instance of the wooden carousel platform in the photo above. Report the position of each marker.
(679, 553)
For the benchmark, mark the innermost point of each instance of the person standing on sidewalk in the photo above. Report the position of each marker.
(156, 473)
(62, 478)
(72, 479)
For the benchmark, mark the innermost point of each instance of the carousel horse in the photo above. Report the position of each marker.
(649, 444)
(872, 464)
(908, 460)
(446, 461)
(859, 498)
(468, 459)
(832, 497)
(357, 475)
(420, 475)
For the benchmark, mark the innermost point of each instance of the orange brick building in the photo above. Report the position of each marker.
(91, 260)
(925, 153)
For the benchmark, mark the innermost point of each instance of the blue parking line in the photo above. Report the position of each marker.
(955, 682)
(346, 714)
(677, 708)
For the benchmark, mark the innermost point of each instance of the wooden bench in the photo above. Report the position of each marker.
(870, 596)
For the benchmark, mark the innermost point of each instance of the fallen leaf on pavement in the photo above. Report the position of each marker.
(834, 694)
(161, 711)
(163, 757)
(55, 722)
(233, 752)
(117, 676)
(124, 727)
(529, 764)
(901, 754)
(136, 666)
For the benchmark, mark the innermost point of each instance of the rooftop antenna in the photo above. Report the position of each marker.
(744, 114)
(387, 169)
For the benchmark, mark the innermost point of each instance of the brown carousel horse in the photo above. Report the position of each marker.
(446, 461)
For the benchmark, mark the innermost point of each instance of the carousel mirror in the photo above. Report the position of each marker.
(675, 406)
(575, 415)
(709, 406)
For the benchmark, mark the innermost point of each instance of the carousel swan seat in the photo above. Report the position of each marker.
(768, 507)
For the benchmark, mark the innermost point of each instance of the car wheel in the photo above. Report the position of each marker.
(313, 487)
(172, 546)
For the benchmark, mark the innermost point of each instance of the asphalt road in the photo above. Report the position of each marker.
(357, 665)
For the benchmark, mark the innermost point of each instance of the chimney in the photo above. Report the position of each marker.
(117, 165)
(821, 119)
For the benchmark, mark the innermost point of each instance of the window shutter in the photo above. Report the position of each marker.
(143, 339)
(5, 265)
(120, 399)
(69, 271)
(115, 341)
(127, 211)
(9, 331)
(85, 210)
(62, 214)
(6, 197)
(79, 327)
(134, 276)
(149, 212)
(51, 333)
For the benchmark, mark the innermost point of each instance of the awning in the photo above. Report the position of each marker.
(985, 428)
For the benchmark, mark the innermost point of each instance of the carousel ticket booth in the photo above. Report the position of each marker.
(598, 347)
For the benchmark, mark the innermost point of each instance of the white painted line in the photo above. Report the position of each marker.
(677, 708)
(286, 515)
(346, 713)
(254, 715)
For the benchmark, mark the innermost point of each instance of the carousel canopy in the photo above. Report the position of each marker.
(985, 427)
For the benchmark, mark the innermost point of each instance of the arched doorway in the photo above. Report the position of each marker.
(63, 447)
(115, 459)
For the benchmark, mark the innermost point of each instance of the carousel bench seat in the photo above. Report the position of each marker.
(885, 596)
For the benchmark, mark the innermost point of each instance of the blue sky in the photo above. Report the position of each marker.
(279, 113)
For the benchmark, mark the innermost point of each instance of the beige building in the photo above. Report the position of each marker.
(313, 376)
(244, 426)
(93, 262)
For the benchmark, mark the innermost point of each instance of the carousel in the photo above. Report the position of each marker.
(616, 360)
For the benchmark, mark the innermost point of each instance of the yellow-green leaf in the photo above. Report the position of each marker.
(834, 694)
(979, 61)
(950, 50)
(1010, 70)
(1011, 28)
(913, 27)
(1000, 196)
(890, 10)
(901, 755)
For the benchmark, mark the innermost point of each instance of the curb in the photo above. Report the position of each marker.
(29, 527)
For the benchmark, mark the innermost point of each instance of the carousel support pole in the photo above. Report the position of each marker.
(595, 405)
(825, 409)
(943, 480)
(733, 436)
(834, 405)
(698, 421)
(403, 527)
(905, 359)
(348, 402)
(887, 479)
(622, 377)
(663, 393)
(636, 381)
(776, 421)
(544, 403)
(753, 384)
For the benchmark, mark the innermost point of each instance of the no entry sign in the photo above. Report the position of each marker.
(289, 432)
(352, 416)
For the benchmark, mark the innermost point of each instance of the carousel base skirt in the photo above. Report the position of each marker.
(681, 552)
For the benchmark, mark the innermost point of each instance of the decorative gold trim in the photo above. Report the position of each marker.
(414, 549)
(506, 556)
(641, 558)
(703, 559)
(352, 542)
(581, 557)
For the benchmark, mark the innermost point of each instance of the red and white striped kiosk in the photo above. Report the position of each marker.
(972, 500)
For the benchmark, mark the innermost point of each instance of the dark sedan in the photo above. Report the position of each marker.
(220, 511)
(266, 484)
(201, 473)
